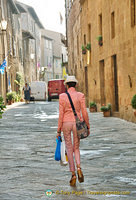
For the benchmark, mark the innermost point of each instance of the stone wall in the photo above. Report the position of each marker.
(111, 71)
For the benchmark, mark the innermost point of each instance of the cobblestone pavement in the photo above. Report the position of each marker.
(28, 168)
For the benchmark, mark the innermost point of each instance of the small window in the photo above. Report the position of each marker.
(112, 25)
(14, 46)
(133, 12)
(50, 44)
(56, 63)
(21, 55)
(89, 33)
(47, 44)
(77, 45)
(10, 43)
(47, 60)
(100, 24)
(84, 39)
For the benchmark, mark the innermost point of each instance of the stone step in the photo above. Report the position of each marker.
(116, 114)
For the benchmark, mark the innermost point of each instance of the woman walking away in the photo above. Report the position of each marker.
(27, 93)
(67, 124)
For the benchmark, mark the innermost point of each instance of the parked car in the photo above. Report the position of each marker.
(39, 90)
(55, 88)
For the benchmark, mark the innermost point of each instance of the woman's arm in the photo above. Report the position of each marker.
(61, 114)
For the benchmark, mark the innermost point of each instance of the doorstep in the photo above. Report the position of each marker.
(116, 114)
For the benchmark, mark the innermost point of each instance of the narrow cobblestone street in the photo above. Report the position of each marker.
(28, 168)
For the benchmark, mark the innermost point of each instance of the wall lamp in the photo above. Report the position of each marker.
(3, 25)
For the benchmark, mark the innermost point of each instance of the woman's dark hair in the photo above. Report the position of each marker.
(71, 84)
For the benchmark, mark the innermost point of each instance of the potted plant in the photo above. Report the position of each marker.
(21, 100)
(1, 112)
(14, 97)
(83, 49)
(99, 38)
(10, 97)
(133, 103)
(106, 110)
(93, 107)
(88, 46)
(2, 106)
(18, 97)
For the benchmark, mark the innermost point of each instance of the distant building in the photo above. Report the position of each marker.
(57, 53)
(54, 54)
(31, 38)
(46, 57)
(20, 40)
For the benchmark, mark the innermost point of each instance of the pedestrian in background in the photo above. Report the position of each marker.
(27, 93)
(67, 124)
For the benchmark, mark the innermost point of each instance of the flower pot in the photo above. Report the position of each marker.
(135, 113)
(9, 102)
(100, 43)
(83, 51)
(93, 109)
(107, 113)
(21, 100)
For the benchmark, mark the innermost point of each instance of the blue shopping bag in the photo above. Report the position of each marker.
(58, 149)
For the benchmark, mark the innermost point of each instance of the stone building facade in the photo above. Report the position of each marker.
(54, 54)
(14, 38)
(106, 73)
(10, 14)
(47, 69)
(20, 44)
(31, 41)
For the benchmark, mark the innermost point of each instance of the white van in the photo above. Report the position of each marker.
(39, 90)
